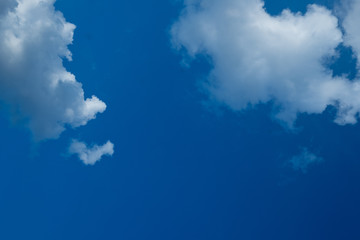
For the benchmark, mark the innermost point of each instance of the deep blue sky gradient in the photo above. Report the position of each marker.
(181, 170)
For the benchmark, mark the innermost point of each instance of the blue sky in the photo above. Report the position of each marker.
(184, 166)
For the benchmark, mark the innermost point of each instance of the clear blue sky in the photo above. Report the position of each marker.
(180, 170)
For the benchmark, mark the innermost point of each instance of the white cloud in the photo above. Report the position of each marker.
(257, 57)
(34, 39)
(91, 155)
(351, 26)
(304, 160)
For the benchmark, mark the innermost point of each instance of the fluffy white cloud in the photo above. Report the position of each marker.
(257, 57)
(34, 40)
(351, 26)
(91, 155)
(304, 160)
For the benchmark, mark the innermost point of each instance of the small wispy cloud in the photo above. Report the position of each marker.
(304, 160)
(91, 155)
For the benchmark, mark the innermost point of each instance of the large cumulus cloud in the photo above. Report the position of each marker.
(259, 58)
(34, 84)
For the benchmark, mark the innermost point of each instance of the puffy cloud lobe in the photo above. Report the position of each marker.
(91, 155)
(304, 160)
(34, 39)
(257, 57)
(351, 26)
